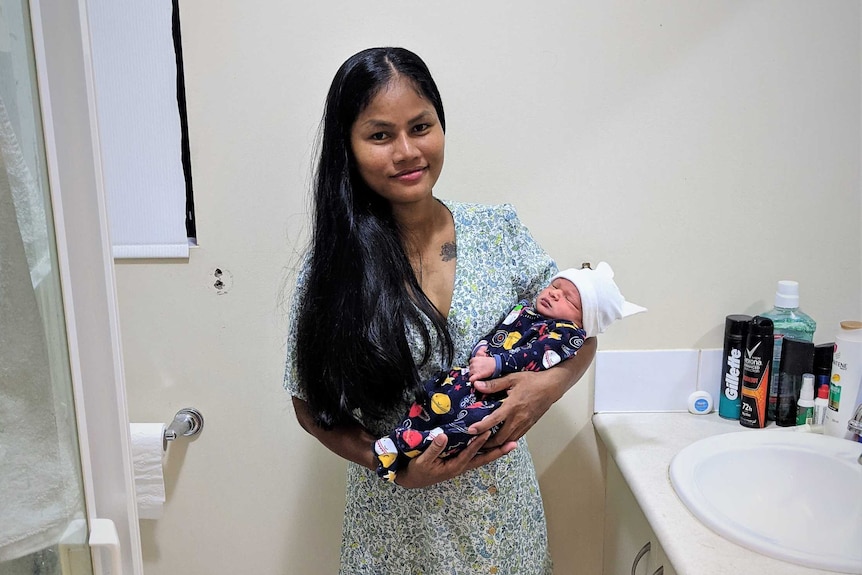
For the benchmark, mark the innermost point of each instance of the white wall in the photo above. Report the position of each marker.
(705, 149)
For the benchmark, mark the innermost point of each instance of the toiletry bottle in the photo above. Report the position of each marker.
(735, 330)
(821, 403)
(805, 405)
(787, 320)
(846, 379)
(756, 362)
(797, 358)
(822, 366)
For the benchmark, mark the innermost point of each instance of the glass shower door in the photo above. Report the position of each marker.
(43, 527)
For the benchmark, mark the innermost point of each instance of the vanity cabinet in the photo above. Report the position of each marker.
(630, 545)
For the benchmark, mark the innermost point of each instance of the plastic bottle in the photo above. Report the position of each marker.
(797, 359)
(846, 379)
(756, 373)
(805, 405)
(821, 404)
(787, 320)
(735, 331)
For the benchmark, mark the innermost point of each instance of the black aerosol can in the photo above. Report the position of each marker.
(735, 332)
(756, 372)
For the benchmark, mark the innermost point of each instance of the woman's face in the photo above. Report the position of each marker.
(398, 142)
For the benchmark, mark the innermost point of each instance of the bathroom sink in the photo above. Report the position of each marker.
(790, 495)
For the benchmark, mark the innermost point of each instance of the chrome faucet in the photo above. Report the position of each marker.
(855, 425)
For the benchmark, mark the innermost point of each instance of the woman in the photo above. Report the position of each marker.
(397, 285)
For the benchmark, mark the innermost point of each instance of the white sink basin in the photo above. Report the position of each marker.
(790, 495)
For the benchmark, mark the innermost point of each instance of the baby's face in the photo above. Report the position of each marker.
(561, 300)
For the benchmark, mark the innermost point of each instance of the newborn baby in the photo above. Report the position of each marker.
(577, 304)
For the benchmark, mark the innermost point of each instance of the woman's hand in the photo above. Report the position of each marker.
(529, 395)
(428, 468)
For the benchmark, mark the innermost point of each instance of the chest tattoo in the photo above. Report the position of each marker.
(449, 251)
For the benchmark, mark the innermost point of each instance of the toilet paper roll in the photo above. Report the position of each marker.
(148, 458)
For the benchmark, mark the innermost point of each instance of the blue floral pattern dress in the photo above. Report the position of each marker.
(485, 521)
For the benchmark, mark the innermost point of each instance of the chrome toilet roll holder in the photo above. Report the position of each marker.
(187, 422)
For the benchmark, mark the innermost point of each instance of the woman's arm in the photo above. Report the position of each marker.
(354, 443)
(530, 394)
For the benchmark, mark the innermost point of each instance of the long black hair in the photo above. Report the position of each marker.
(361, 294)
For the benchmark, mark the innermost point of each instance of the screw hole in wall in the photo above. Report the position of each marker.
(223, 281)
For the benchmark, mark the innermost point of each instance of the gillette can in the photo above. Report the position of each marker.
(735, 332)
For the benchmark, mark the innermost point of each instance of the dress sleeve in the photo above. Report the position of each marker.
(535, 267)
(291, 379)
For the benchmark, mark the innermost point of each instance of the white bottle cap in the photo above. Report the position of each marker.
(700, 402)
(787, 294)
(807, 387)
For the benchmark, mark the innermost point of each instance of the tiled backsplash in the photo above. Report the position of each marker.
(654, 380)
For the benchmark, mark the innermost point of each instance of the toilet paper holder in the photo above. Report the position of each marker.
(187, 423)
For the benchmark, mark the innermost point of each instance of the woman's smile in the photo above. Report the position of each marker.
(411, 175)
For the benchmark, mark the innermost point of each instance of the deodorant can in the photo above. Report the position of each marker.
(822, 365)
(797, 359)
(756, 372)
(735, 331)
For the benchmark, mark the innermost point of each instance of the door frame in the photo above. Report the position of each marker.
(67, 100)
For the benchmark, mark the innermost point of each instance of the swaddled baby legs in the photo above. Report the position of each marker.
(451, 405)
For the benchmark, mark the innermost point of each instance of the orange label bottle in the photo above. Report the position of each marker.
(756, 372)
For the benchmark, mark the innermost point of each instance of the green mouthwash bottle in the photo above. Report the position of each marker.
(788, 321)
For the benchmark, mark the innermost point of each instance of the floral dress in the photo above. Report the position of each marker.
(487, 520)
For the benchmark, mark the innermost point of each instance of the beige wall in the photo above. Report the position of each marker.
(705, 149)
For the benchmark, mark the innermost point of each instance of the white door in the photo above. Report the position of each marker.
(65, 472)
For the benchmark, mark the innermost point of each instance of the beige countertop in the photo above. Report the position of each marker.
(643, 445)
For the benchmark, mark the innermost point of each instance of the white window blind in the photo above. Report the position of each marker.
(135, 75)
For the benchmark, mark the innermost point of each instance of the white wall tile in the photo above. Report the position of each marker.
(645, 380)
(709, 372)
